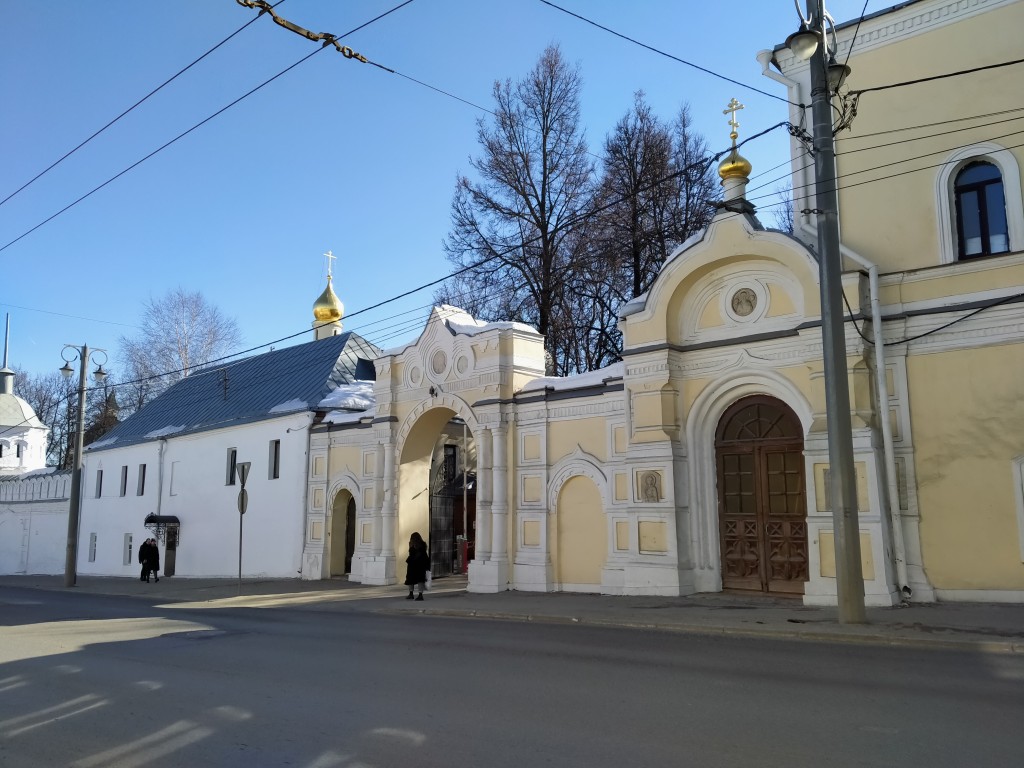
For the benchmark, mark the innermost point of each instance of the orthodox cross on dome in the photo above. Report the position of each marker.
(331, 257)
(734, 107)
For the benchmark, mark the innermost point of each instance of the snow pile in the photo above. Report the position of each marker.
(288, 407)
(579, 381)
(155, 433)
(460, 321)
(349, 403)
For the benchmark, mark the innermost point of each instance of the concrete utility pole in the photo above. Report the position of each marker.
(75, 511)
(843, 498)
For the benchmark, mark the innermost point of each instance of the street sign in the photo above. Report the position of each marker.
(242, 468)
(243, 501)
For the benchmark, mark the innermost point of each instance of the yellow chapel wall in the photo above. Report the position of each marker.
(894, 221)
(967, 413)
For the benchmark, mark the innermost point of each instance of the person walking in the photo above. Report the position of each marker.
(154, 559)
(417, 565)
(144, 556)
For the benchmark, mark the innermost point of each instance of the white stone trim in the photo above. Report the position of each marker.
(701, 428)
(945, 200)
(980, 595)
(1017, 465)
(579, 462)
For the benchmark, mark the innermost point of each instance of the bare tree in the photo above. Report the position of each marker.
(181, 332)
(784, 213)
(55, 401)
(514, 228)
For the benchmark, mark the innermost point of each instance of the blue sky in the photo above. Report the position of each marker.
(333, 155)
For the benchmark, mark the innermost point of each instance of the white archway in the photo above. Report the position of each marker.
(706, 412)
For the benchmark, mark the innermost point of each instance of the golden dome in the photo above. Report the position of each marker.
(328, 308)
(735, 166)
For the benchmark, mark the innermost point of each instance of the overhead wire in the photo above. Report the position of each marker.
(203, 122)
(138, 103)
(670, 56)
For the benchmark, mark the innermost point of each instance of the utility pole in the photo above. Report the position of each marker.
(843, 497)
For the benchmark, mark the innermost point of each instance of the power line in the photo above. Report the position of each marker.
(670, 56)
(199, 124)
(166, 82)
(920, 80)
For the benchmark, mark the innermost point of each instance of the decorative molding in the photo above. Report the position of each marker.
(577, 463)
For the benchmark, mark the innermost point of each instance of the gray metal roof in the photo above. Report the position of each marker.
(290, 380)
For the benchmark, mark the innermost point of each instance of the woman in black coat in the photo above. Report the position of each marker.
(154, 559)
(417, 565)
(144, 556)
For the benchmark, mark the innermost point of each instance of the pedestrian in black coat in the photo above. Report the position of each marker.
(417, 565)
(144, 556)
(154, 559)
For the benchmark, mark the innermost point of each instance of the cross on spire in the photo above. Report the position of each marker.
(331, 257)
(733, 108)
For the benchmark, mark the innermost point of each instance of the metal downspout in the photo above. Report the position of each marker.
(882, 387)
(160, 474)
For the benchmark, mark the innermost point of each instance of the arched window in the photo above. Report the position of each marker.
(980, 211)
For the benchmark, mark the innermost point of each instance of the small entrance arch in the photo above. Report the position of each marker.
(762, 497)
(342, 533)
(580, 536)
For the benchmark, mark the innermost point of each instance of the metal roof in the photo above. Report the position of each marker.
(290, 380)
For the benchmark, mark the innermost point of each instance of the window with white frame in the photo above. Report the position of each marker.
(127, 549)
(979, 204)
(232, 465)
(99, 483)
(92, 547)
(124, 480)
(140, 487)
(980, 211)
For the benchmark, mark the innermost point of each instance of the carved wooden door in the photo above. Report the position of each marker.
(762, 497)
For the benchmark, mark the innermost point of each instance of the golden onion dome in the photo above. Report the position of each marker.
(735, 166)
(328, 308)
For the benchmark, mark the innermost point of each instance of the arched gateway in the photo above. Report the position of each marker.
(762, 498)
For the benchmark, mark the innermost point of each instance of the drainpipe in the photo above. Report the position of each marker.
(767, 59)
(160, 474)
(882, 388)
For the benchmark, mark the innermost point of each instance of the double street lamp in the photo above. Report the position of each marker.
(811, 43)
(82, 354)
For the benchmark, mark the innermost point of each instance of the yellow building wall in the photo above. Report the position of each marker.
(967, 413)
(590, 434)
(581, 535)
(894, 221)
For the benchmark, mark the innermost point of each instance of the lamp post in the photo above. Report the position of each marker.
(78, 353)
(810, 43)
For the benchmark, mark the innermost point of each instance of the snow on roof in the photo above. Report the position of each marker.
(579, 381)
(348, 417)
(357, 396)
(460, 321)
(101, 443)
(290, 405)
(163, 431)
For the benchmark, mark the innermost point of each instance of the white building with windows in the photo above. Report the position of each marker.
(171, 469)
(33, 497)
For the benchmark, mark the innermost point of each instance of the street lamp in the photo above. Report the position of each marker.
(811, 43)
(83, 354)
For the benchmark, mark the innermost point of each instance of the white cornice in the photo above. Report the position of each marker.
(897, 25)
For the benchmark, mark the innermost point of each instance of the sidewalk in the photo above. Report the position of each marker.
(991, 628)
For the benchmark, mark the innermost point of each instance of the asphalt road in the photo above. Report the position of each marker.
(105, 682)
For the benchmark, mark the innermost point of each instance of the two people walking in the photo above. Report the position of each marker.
(149, 557)
(417, 566)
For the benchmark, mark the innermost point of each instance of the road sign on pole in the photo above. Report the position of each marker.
(242, 470)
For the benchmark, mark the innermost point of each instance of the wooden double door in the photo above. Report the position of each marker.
(762, 498)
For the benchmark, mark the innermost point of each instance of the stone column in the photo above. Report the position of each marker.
(378, 498)
(483, 496)
(387, 510)
(499, 502)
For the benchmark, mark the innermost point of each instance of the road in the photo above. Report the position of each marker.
(114, 682)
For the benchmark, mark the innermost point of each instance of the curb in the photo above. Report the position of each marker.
(896, 641)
